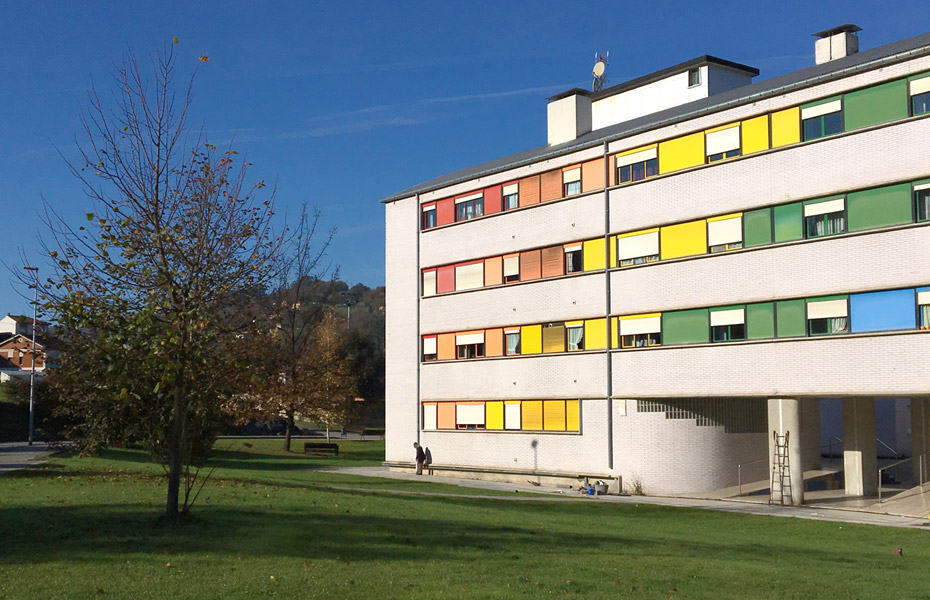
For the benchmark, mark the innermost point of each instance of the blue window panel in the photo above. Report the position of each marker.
(882, 311)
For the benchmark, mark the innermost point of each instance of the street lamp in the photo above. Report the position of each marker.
(32, 376)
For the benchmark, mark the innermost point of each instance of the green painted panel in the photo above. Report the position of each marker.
(685, 327)
(789, 222)
(876, 104)
(757, 227)
(879, 207)
(760, 320)
(791, 318)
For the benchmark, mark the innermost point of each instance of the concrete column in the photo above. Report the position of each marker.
(920, 439)
(860, 466)
(785, 417)
(810, 434)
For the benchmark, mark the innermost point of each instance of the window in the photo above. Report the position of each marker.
(469, 277)
(694, 77)
(575, 336)
(923, 306)
(574, 258)
(429, 283)
(469, 207)
(637, 165)
(722, 144)
(640, 331)
(827, 317)
(919, 90)
(513, 342)
(429, 348)
(469, 345)
(469, 415)
(922, 198)
(511, 268)
(825, 218)
(638, 248)
(728, 325)
(571, 182)
(429, 216)
(725, 233)
(822, 120)
(511, 196)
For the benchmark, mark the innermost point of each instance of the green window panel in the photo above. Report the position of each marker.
(760, 320)
(876, 104)
(757, 227)
(686, 327)
(791, 318)
(789, 222)
(879, 207)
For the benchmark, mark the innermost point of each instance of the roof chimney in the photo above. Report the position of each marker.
(836, 43)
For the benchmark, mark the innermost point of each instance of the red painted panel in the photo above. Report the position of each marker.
(445, 279)
(492, 199)
(445, 211)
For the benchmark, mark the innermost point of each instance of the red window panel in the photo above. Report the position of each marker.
(445, 279)
(492, 199)
(445, 211)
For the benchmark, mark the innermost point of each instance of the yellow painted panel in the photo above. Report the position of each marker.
(724, 217)
(635, 150)
(722, 127)
(595, 334)
(614, 328)
(554, 415)
(573, 323)
(684, 239)
(594, 255)
(613, 251)
(642, 316)
(681, 153)
(494, 415)
(532, 415)
(572, 416)
(531, 339)
(786, 127)
(755, 134)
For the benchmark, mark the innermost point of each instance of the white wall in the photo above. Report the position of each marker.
(650, 98)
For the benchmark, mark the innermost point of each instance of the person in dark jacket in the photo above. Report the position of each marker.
(421, 458)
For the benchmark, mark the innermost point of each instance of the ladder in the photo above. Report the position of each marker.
(781, 472)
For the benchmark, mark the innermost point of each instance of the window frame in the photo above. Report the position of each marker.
(824, 217)
(517, 350)
(650, 343)
(477, 209)
(729, 337)
(822, 121)
(423, 220)
(912, 104)
(565, 191)
(476, 349)
(579, 268)
(925, 192)
(568, 347)
(645, 170)
(694, 77)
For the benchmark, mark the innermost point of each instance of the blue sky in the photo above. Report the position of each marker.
(344, 103)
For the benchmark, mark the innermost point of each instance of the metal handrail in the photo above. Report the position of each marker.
(901, 462)
(893, 451)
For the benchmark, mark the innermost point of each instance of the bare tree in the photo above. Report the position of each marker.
(148, 289)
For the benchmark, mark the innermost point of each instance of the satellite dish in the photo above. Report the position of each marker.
(598, 68)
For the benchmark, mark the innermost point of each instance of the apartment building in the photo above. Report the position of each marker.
(690, 266)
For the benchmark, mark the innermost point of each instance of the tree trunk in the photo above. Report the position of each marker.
(287, 431)
(327, 434)
(176, 453)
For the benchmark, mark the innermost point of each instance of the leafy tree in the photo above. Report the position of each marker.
(152, 288)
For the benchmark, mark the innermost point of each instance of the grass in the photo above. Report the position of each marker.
(266, 526)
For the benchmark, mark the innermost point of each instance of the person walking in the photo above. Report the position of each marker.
(421, 458)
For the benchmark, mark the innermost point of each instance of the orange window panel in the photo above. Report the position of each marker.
(552, 261)
(493, 270)
(494, 342)
(592, 175)
(445, 346)
(550, 185)
(529, 190)
(445, 415)
(530, 267)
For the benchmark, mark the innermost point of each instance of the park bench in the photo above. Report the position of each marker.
(373, 432)
(321, 449)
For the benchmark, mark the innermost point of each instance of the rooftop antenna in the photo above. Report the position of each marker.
(599, 71)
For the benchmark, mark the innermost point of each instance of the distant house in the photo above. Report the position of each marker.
(20, 324)
(16, 355)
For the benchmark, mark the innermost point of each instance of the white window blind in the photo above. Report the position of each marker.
(637, 157)
(919, 86)
(923, 297)
(924, 186)
(821, 109)
(512, 330)
(725, 231)
(822, 208)
(723, 141)
(469, 277)
(640, 325)
(826, 309)
(429, 416)
(469, 338)
(634, 246)
(512, 415)
(510, 189)
(571, 175)
(511, 265)
(572, 248)
(429, 208)
(429, 345)
(469, 414)
(736, 316)
(467, 198)
(429, 283)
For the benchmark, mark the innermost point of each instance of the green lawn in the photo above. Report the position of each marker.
(267, 526)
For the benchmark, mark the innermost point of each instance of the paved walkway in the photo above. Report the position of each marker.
(737, 506)
(20, 455)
